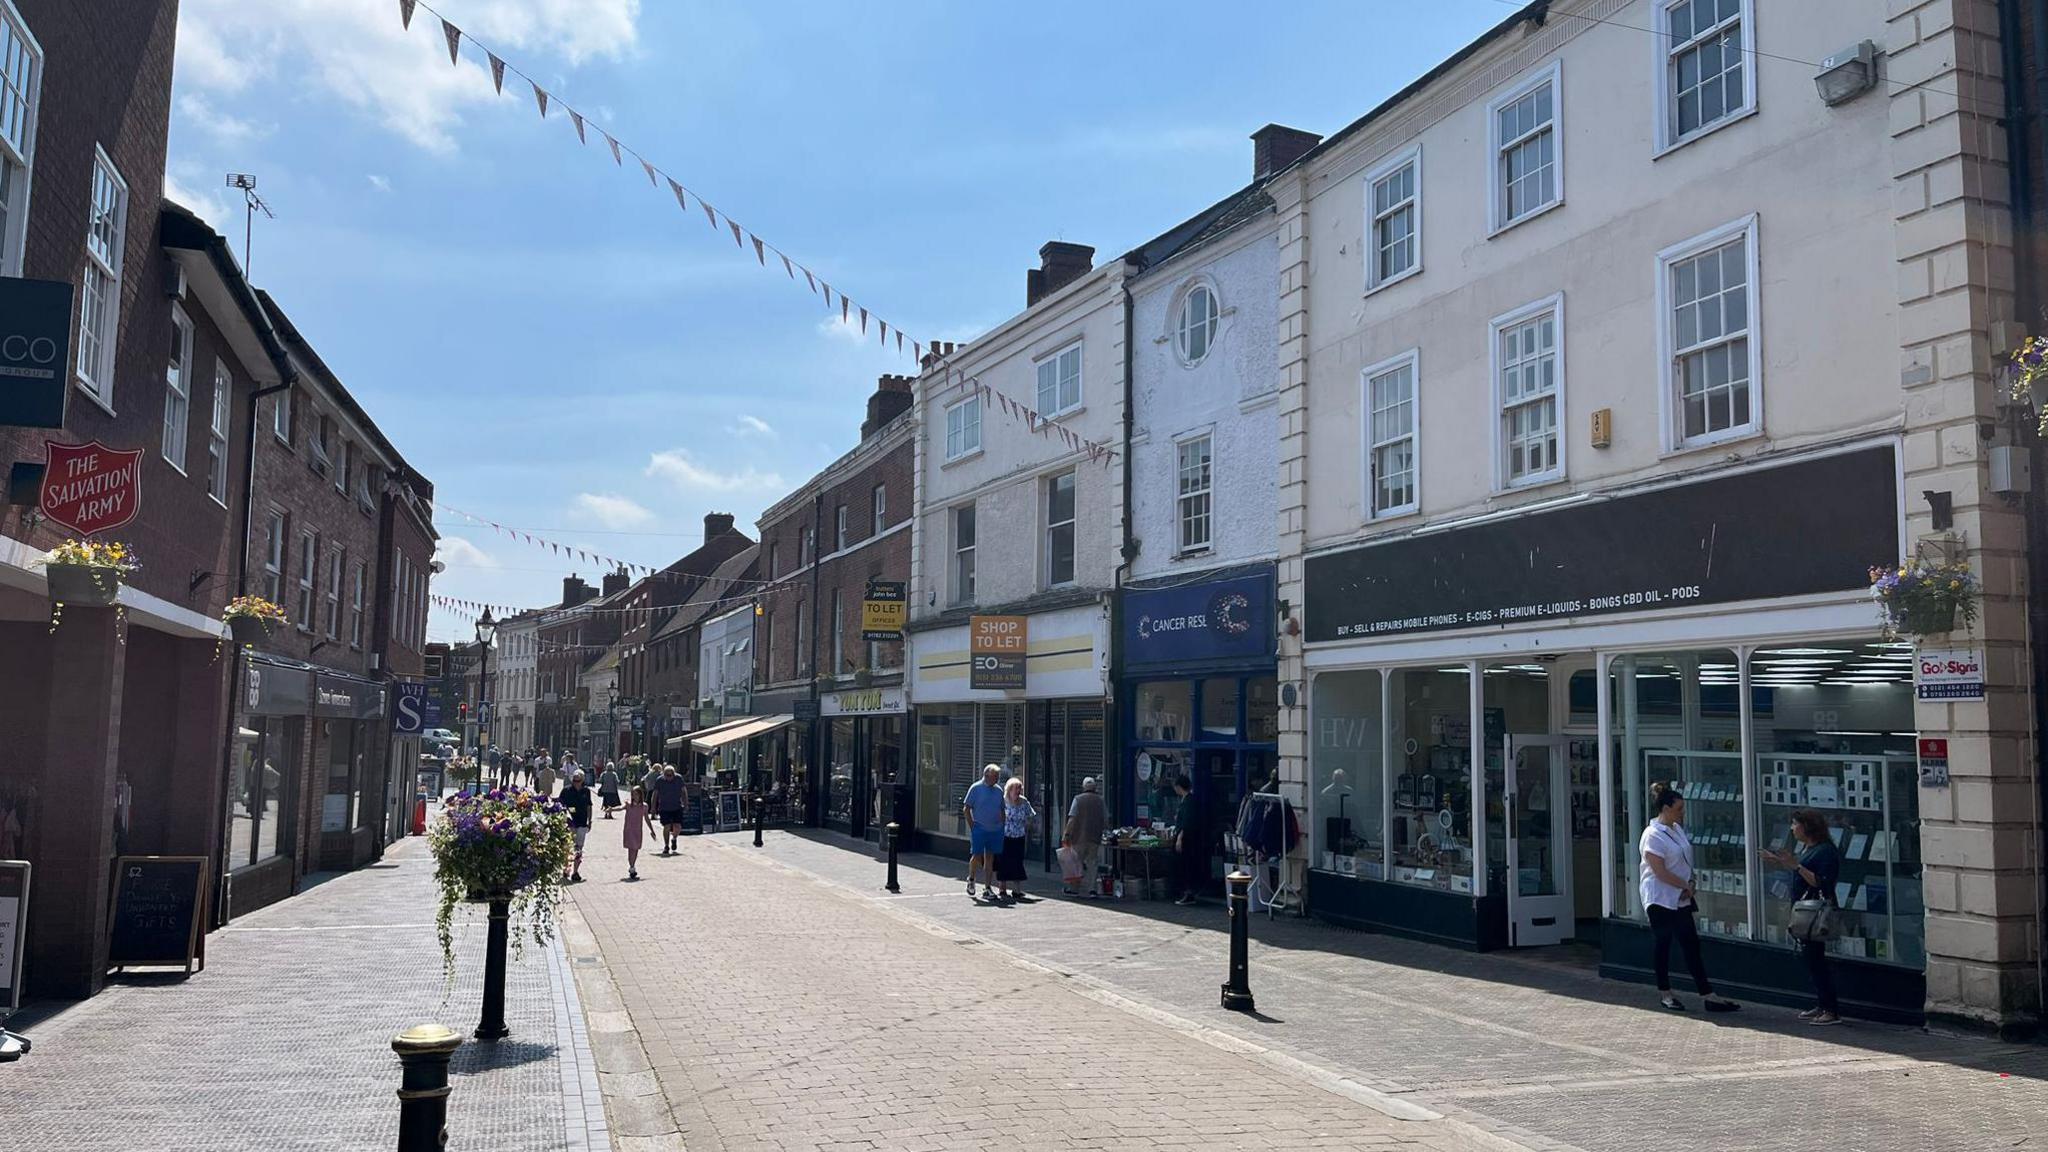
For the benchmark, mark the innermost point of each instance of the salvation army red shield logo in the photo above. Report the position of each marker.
(91, 488)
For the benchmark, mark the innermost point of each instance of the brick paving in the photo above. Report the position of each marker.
(1532, 1046)
(283, 1042)
(770, 1009)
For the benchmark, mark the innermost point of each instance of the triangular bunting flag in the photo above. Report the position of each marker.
(760, 253)
(863, 321)
(676, 188)
(916, 350)
(405, 13)
(787, 266)
(454, 36)
(649, 169)
(810, 280)
(828, 292)
(576, 118)
(734, 225)
(899, 341)
(616, 158)
(845, 306)
(540, 97)
(884, 330)
(710, 213)
(497, 72)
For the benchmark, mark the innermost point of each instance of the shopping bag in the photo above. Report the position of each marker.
(1070, 865)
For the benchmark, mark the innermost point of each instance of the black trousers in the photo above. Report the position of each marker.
(1667, 925)
(1823, 975)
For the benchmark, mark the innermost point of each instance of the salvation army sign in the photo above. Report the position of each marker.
(91, 488)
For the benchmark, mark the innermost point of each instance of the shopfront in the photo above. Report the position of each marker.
(869, 781)
(1485, 786)
(1050, 725)
(267, 780)
(349, 717)
(1199, 696)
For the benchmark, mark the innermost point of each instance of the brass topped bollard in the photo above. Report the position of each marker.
(423, 1052)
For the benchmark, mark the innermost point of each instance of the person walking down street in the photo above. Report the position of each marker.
(1667, 891)
(638, 820)
(983, 811)
(1814, 869)
(668, 802)
(544, 779)
(576, 798)
(1083, 833)
(608, 789)
(1018, 813)
(1190, 843)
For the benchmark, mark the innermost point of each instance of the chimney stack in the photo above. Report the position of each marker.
(891, 399)
(936, 351)
(717, 524)
(1059, 264)
(1276, 146)
(617, 582)
(575, 591)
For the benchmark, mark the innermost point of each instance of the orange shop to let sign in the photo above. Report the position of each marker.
(995, 650)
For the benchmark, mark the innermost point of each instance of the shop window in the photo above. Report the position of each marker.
(1430, 764)
(335, 814)
(1219, 709)
(1516, 719)
(839, 776)
(1834, 732)
(1164, 708)
(945, 767)
(1678, 720)
(1347, 774)
(1262, 710)
(1156, 770)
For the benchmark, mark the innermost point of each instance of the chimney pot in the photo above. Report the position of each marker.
(1276, 146)
(717, 524)
(891, 399)
(1059, 264)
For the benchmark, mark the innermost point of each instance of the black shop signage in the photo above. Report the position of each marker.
(158, 902)
(35, 351)
(1798, 529)
(348, 699)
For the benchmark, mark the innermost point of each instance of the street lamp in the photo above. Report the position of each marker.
(486, 629)
(611, 720)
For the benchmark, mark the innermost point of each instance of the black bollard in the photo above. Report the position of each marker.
(492, 1027)
(760, 815)
(1237, 991)
(890, 834)
(423, 1052)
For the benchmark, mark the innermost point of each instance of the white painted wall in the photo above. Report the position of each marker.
(515, 681)
(1231, 393)
(1818, 179)
(718, 670)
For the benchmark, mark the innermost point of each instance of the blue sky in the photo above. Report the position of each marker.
(561, 350)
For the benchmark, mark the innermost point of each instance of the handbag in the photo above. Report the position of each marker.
(1814, 920)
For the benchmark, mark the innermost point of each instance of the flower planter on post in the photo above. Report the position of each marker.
(83, 585)
(509, 848)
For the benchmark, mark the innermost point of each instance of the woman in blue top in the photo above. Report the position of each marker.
(1814, 869)
(1018, 813)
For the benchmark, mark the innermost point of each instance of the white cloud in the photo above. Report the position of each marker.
(612, 511)
(847, 330)
(682, 469)
(748, 425)
(356, 52)
(209, 203)
(380, 183)
(459, 553)
(225, 127)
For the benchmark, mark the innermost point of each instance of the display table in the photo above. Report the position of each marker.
(1152, 863)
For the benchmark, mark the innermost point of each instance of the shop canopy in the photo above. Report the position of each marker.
(706, 733)
(713, 739)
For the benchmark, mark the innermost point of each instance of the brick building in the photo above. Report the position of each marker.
(667, 673)
(823, 545)
(571, 639)
(653, 602)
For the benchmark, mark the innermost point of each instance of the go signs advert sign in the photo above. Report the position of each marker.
(91, 488)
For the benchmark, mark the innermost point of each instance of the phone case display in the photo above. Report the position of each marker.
(1584, 760)
(1431, 828)
(1712, 784)
(1870, 803)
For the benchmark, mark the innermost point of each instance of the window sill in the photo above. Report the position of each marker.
(177, 467)
(1532, 483)
(962, 458)
(93, 395)
(217, 500)
(1063, 414)
(1389, 282)
(1702, 133)
(1719, 440)
(1194, 553)
(1381, 519)
(284, 440)
(1525, 217)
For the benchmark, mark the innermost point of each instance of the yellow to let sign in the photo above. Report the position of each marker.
(996, 648)
(885, 610)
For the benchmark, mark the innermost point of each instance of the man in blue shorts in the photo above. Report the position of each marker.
(983, 811)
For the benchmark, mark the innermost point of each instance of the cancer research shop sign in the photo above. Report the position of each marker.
(1949, 674)
(35, 351)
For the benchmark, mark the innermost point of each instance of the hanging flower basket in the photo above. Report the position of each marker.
(250, 619)
(2027, 374)
(506, 844)
(86, 572)
(1923, 597)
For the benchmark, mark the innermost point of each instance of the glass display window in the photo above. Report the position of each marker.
(1347, 774)
(1165, 711)
(1677, 719)
(1430, 768)
(1219, 709)
(1262, 710)
(1517, 701)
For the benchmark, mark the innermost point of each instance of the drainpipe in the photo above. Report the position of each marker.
(1127, 554)
(2026, 124)
(818, 786)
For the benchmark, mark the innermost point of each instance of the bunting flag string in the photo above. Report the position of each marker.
(740, 234)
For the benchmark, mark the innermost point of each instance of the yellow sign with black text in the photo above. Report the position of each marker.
(885, 610)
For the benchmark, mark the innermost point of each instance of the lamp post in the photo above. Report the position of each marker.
(611, 720)
(486, 629)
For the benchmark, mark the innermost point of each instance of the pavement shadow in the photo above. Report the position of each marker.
(1567, 970)
(479, 1056)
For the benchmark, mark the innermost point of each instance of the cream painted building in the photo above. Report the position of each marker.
(1613, 353)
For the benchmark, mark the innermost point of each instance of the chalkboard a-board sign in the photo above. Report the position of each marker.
(729, 812)
(158, 902)
(13, 930)
(693, 814)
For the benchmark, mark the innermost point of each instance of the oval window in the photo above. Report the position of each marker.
(1198, 320)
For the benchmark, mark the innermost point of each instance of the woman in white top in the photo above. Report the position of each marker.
(1668, 897)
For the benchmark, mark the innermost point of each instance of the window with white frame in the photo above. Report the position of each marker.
(1528, 170)
(273, 558)
(177, 389)
(807, 549)
(1711, 364)
(1059, 529)
(1394, 220)
(309, 561)
(21, 78)
(355, 607)
(1707, 80)
(217, 434)
(881, 509)
(281, 415)
(839, 528)
(1528, 369)
(963, 428)
(1391, 436)
(99, 306)
(802, 666)
(1192, 493)
(344, 464)
(838, 633)
(963, 554)
(335, 567)
(1059, 382)
(774, 559)
(1195, 327)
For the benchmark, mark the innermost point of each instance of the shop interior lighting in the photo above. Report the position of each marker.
(1807, 652)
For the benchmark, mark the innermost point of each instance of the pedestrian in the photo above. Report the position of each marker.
(608, 790)
(1668, 898)
(638, 819)
(668, 802)
(1190, 842)
(1814, 869)
(1083, 834)
(983, 812)
(544, 780)
(576, 798)
(1018, 813)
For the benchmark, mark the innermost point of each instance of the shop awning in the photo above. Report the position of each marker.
(714, 739)
(708, 733)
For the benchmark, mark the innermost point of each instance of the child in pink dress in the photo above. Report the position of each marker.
(637, 820)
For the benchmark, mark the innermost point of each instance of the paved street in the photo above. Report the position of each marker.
(283, 1043)
(785, 1001)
